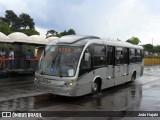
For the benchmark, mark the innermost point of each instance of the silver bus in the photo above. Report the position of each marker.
(77, 65)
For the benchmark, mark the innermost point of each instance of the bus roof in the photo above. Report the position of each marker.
(121, 44)
(84, 40)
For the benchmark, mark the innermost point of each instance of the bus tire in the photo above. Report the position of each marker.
(96, 87)
(133, 77)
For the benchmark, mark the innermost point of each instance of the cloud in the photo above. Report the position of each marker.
(121, 19)
(42, 31)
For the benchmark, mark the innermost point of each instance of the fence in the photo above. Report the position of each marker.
(151, 61)
(19, 64)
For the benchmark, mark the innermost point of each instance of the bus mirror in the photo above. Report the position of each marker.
(86, 57)
(71, 72)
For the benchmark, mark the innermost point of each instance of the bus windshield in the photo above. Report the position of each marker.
(59, 60)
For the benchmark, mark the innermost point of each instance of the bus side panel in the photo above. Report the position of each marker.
(120, 78)
(84, 84)
(134, 67)
(109, 81)
(126, 72)
(86, 80)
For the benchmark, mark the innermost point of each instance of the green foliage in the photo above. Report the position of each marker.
(26, 21)
(71, 32)
(22, 23)
(30, 32)
(4, 20)
(148, 47)
(134, 40)
(157, 49)
(4, 28)
(152, 56)
(14, 20)
(51, 33)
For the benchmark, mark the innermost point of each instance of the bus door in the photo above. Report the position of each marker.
(126, 63)
(119, 66)
(110, 67)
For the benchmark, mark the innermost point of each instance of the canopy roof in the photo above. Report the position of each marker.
(51, 38)
(18, 37)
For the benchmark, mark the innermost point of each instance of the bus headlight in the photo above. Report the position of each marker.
(70, 83)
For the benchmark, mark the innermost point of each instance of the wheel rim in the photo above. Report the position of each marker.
(95, 87)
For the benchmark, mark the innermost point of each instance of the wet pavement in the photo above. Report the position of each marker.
(143, 95)
(16, 79)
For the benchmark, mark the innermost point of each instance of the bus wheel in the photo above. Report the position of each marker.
(96, 87)
(133, 78)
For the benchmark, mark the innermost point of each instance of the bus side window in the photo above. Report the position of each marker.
(110, 55)
(86, 64)
(86, 61)
(132, 55)
(99, 55)
(119, 55)
(142, 54)
(138, 55)
(126, 55)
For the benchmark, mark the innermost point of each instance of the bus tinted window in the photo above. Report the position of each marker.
(138, 55)
(110, 55)
(132, 55)
(119, 55)
(99, 55)
(99, 50)
(125, 56)
(86, 64)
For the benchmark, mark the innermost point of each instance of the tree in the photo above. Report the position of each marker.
(30, 32)
(134, 40)
(51, 33)
(4, 28)
(71, 32)
(5, 20)
(148, 47)
(64, 33)
(26, 21)
(157, 49)
(22, 23)
(15, 21)
(55, 33)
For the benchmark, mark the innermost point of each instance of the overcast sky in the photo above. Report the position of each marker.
(113, 19)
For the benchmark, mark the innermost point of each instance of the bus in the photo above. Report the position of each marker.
(77, 65)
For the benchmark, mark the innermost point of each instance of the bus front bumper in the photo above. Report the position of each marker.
(57, 90)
